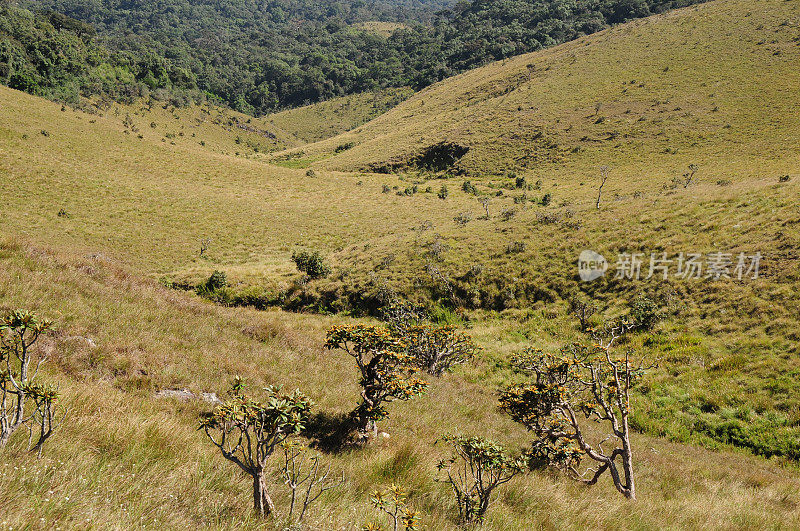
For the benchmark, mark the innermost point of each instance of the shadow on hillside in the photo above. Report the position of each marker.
(331, 432)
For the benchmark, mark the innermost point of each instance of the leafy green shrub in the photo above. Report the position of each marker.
(443, 192)
(469, 188)
(645, 312)
(311, 263)
(344, 147)
(217, 280)
(440, 157)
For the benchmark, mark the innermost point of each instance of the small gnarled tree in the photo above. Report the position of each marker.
(387, 371)
(247, 432)
(434, 349)
(581, 383)
(400, 315)
(475, 469)
(24, 402)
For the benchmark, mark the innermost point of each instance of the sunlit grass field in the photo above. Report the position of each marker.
(713, 84)
(151, 202)
(99, 210)
(126, 459)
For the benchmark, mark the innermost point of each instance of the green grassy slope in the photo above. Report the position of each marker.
(226, 131)
(710, 82)
(330, 118)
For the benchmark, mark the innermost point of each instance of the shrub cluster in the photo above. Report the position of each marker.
(311, 263)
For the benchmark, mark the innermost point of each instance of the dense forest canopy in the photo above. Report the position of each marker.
(258, 56)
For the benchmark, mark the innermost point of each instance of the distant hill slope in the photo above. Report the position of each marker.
(719, 79)
(330, 118)
(147, 183)
(223, 130)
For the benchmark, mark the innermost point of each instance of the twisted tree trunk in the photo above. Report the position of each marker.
(262, 503)
(627, 461)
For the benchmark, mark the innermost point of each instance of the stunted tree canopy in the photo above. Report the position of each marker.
(247, 431)
(436, 349)
(578, 384)
(387, 370)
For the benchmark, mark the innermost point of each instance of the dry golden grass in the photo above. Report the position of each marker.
(126, 459)
(713, 94)
(331, 118)
(150, 202)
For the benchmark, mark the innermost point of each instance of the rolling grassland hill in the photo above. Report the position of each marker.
(330, 118)
(150, 200)
(694, 115)
(473, 197)
(713, 83)
(126, 459)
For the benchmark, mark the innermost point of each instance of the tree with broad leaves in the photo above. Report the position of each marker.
(580, 383)
(476, 468)
(24, 402)
(387, 371)
(247, 432)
